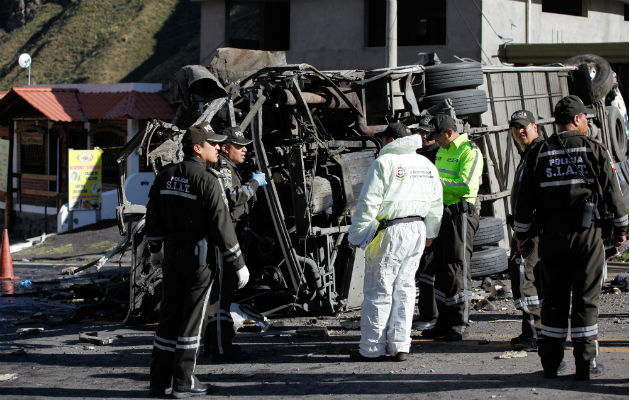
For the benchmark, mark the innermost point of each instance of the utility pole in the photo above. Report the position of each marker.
(391, 33)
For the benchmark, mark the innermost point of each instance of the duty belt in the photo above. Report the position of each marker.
(459, 208)
(385, 223)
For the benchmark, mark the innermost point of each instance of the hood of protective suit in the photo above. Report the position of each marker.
(405, 145)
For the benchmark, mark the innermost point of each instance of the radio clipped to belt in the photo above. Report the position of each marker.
(590, 211)
(201, 251)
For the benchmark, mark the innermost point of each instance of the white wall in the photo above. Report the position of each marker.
(604, 24)
(329, 34)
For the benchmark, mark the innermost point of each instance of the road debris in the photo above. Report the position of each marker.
(617, 285)
(8, 377)
(29, 331)
(311, 331)
(246, 318)
(26, 284)
(92, 337)
(484, 305)
(499, 291)
(513, 354)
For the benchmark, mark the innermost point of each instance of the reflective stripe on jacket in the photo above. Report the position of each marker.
(565, 171)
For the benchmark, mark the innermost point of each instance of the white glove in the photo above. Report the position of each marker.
(157, 259)
(243, 277)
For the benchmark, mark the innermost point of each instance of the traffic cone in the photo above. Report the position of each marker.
(6, 265)
(6, 288)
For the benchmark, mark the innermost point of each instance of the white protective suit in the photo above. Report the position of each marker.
(399, 183)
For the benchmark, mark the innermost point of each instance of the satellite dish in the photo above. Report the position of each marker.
(24, 60)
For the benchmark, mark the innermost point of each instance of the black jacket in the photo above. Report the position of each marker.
(187, 202)
(564, 172)
(518, 174)
(429, 151)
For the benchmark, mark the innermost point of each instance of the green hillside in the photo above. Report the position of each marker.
(102, 41)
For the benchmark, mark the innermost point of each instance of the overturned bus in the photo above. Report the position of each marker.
(312, 136)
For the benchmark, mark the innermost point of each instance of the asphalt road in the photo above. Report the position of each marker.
(284, 363)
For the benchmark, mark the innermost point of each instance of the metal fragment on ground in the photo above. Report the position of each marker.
(92, 337)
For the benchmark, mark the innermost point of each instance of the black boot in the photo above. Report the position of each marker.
(585, 371)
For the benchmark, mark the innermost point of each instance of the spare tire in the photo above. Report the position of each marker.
(603, 79)
(465, 102)
(618, 138)
(447, 77)
(488, 261)
(490, 231)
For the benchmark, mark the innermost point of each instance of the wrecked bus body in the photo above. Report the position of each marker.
(312, 136)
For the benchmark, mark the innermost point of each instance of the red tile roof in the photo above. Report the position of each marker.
(132, 104)
(70, 105)
(55, 104)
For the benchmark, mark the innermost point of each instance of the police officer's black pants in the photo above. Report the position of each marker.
(526, 288)
(454, 246)
(220, 326)
(571, 278)
(425, 278)
(184, 301)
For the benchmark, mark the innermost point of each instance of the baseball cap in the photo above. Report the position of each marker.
(425, 124)
(201, 132)
(394, 130)
(522, 117)
(442, 123)
(568, 107)
(235, 135)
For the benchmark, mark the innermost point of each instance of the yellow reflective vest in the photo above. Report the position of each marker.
(460, 170)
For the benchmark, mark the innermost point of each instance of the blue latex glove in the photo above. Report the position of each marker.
(260, 178)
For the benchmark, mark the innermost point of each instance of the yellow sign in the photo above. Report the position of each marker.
(4, 164)
(85, 174)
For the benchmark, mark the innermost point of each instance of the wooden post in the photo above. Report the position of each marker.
(8, 195)
(63, 164)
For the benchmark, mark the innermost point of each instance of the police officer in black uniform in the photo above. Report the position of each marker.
(220, 329)
(189, 230)
(426, 131)
(425, 277)
(565, 190)
(524, 271)
(233, 152)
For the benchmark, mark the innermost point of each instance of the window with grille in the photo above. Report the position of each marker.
(419, 23)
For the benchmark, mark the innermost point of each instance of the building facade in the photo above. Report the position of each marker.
(350, 34)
